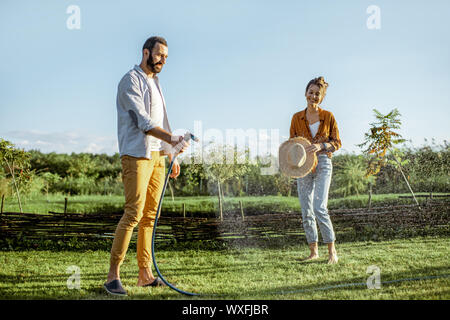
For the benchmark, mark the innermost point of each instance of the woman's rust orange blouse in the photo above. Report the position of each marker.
(327, 132)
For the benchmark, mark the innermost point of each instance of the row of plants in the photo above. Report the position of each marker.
(386, 163)
(427, 169)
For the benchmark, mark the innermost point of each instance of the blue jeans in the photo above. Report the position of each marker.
(313, 195)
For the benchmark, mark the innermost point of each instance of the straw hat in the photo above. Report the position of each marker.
(293, 159)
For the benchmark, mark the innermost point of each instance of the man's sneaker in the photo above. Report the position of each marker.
(115, 287)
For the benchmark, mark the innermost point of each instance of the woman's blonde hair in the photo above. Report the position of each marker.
(320, 82)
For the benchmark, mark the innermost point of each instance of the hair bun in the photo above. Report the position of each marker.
(321, 80)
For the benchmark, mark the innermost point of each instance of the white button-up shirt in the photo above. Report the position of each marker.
(133, 114)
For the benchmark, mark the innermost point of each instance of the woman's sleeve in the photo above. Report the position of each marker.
(292, 129)
(335, 141)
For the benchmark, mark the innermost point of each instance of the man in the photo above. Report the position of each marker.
(144, 138)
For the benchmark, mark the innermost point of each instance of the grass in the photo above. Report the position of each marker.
(245, 273)
(194, 205)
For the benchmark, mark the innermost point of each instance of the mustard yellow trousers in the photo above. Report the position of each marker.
(143, 181)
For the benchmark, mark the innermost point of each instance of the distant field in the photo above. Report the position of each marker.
(193, 205)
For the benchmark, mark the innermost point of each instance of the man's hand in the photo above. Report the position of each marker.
(179, 144)
(175, 168)
(313, 148)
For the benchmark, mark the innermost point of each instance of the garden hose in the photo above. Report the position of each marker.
(188, 136)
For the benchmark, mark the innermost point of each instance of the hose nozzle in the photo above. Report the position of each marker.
(189, 136)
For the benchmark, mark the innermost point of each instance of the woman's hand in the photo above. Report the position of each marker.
(313, 148)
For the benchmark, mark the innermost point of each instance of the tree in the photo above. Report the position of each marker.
(382, 139)
(219, 168)
(49, 180)
(15, 159)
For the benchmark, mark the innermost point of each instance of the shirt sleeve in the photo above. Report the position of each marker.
(292, 129)
(334, 139)
(132, 101)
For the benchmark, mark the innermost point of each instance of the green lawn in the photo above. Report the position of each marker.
(194, 205)
(246, 273)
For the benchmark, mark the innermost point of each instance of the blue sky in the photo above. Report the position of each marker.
(235, 64)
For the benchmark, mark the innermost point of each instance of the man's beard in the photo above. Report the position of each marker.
(152, 66)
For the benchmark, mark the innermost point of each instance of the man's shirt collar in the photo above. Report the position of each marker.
(139, 69)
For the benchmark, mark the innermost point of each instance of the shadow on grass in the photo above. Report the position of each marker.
(356, 283)
(37, 287)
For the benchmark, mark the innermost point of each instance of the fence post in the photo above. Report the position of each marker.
(65, 206)
(370, 195)
(242, 210)
(65, 213)
(429, 198)
(3, 199)
(184, 210)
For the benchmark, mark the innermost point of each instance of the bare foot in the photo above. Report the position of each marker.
(313, 256)
(333, 258)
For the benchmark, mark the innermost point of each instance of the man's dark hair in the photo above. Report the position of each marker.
(152, 41)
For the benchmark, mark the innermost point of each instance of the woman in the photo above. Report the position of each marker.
(320, 128)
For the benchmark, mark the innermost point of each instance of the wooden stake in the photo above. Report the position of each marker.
(3, 199)
(242, 210)
(65, 205)
(65, 213)
(220, 200)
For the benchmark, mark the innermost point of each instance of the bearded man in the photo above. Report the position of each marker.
(145, 139)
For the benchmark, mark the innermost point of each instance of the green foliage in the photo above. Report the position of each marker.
(426, 168)
(82, 166)
(350, 177)
(16, 165)
(282, 184)
(82, 173)
(5, 186)
(380, 139)
(49, 181)
(224, 163)
(15, 162)
(204, 206)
